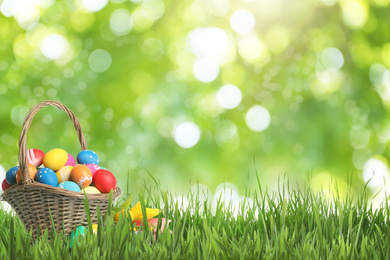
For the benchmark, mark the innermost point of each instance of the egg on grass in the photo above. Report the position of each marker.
(78, 231)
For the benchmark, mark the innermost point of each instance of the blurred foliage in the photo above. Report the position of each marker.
(133, 71)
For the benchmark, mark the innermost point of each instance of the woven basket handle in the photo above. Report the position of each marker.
(26, 179)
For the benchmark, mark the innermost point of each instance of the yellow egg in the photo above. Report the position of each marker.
(55, 159)
(90, 190)
(123, 212)
(94, 228)
(63, 174)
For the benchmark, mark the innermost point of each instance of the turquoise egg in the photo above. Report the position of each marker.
(80, 230)
(69, 185)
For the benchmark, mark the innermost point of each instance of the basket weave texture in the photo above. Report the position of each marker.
(33, 202)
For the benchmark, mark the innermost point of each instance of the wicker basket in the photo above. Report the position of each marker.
(32, 200)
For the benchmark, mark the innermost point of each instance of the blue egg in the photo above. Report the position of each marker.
(10, 176)
(47, 176)
(87, 156)
(69, 185)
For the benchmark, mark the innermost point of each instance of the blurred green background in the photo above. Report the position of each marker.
(204, 90)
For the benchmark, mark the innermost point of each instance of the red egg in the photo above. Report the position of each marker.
(5, 185)
(35, 157)
(104, 180)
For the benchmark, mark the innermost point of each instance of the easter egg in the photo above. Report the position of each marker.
(71, 161)
(5, 185)
(10, 176)
(90, 190)
(69, 185)
(35, 157)
(47, 176)
(55, 159)
(81, 175)
(87, 156)
(104, 180)
(31, 169)
(124, 214)
(93, 167)
(63, 174)
(94, 228)
(78, 231)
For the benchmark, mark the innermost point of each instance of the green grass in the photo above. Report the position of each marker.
(288, 224)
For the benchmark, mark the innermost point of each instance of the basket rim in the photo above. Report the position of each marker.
(58, 191)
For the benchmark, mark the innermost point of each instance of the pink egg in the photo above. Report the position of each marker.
(71, 161)
(93, 167)
(35, 157)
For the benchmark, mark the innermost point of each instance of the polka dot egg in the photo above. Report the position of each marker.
(11, 175)
(69, 185)
(88, 156)
(47, 176)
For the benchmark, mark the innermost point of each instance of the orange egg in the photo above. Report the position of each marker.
(81, 175)
(31, 169)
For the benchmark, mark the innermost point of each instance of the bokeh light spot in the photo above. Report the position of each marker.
(54, 46)
(332, 59)
(277, 38)
(250, 48)
(94, 5)
(2, 173)
(121, 22)
(359, 137)
(44, 3)
(242, 21)
(99, 60)
(25, 12)
(229, 96)
(376, 73)
(258, 118)
(210, 42)
(227, 194)
(354, 13)
(186, 134)
(377, 170)
(205, 69)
